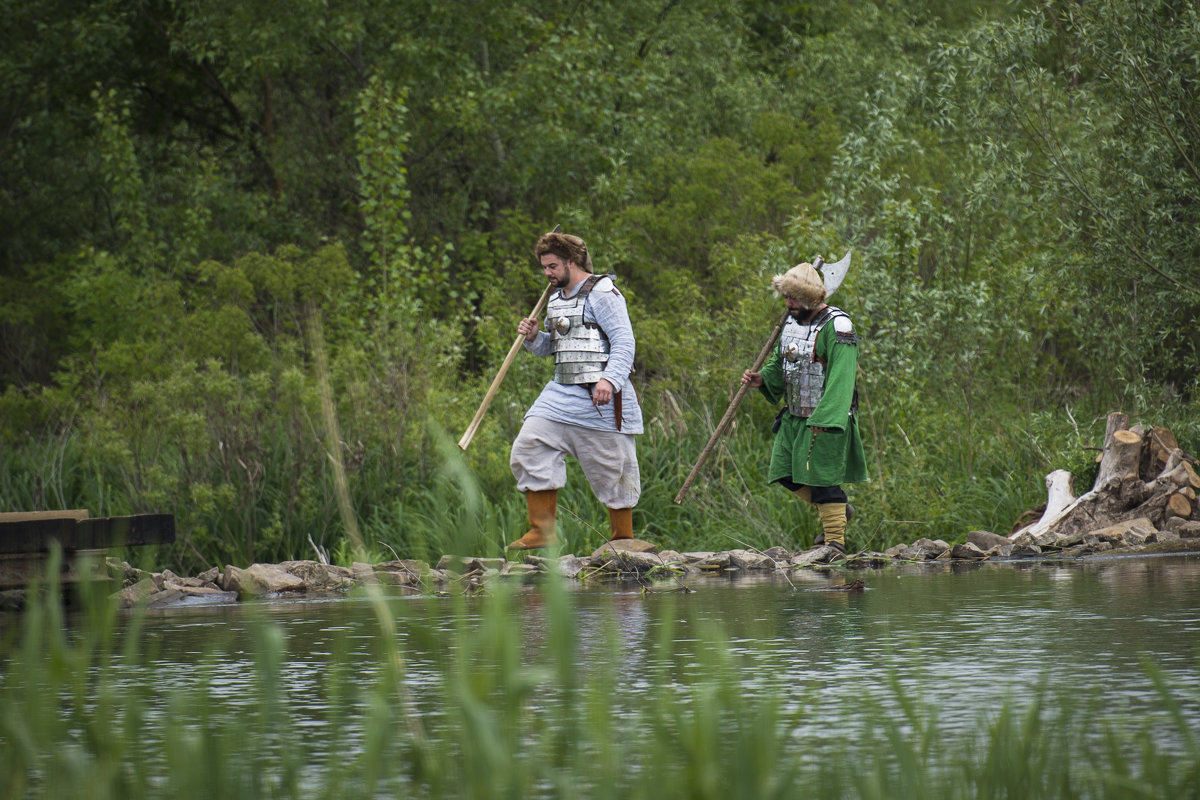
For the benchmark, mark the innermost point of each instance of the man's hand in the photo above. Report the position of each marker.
(602, 392)
(528, 328)
(753, 379)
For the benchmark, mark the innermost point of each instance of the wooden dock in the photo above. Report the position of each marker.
(27, 537)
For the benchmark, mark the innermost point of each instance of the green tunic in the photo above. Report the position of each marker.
(836, 456)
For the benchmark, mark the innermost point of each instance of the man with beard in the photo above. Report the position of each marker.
(817, 445)
(589, 410)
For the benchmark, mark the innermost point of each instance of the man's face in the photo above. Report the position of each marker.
(557, 271)
(794, 308)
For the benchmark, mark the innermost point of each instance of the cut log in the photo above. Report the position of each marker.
(1159, 444)
(1179, 506)
(1193, 478)
(1116, 421)
(1120, 460)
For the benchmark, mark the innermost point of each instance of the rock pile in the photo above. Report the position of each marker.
(626, 560)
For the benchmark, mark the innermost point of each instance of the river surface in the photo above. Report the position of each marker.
(961, 640)
(961, 636)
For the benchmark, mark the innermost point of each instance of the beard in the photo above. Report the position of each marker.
(802, 314)
(563, 282)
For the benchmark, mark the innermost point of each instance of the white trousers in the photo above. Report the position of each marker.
(608, 459)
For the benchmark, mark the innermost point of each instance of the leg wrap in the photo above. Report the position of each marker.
(833, 522)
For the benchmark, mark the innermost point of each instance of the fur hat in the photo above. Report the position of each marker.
(801, 283)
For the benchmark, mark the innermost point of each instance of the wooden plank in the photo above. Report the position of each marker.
(140, 529)
(28, 516)
(37, 535)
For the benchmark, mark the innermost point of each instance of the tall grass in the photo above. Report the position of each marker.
(507, 719)
(415, 495)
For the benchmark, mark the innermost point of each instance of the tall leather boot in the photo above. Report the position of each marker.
(833, 524)
(620, 522)
(543, 506)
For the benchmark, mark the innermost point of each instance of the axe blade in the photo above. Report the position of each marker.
(834, 274)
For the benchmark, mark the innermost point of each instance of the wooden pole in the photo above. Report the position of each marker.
(723, 425)
(512, 354)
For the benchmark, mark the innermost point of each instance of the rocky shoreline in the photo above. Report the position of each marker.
(625, 560)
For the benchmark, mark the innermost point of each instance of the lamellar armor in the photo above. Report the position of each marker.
(580, 348)
(803, 374)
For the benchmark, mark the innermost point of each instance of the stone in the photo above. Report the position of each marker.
(672, 557)
(986, 540)
(625, 545)
(625, 561)
(1124, 534)
(137, 593)
(392, 577)
(208, 595)
(967, 550)
(1187, 530)
(708, 562)
(868, 559)
(493, 565)
(896, 550)
(1000, 551)
(1046, 539)
(1071, 539)
(816, 556)
(570, 566)
(925, 550)
(1025, 539)
(455, 563)
(211, 575)
(362, 573)
(750, 560)
(777, 553)
(260, 579)
(1024, 549)
(318, 576)
(165, 597)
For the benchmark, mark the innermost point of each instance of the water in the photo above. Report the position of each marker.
(956, 642)
(963, 638)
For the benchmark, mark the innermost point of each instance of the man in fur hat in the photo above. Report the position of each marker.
(817, 445)
(589, 410)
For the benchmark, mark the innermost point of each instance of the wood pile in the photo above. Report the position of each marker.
(1144, 477)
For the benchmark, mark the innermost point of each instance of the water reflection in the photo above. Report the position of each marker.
(962, 638)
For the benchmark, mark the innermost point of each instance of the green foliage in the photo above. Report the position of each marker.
(187, 188)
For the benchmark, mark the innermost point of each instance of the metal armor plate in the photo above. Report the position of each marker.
(580, 349)
(803, 375)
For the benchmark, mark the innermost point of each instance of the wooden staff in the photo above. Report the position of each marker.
(512, 354)
(723, 425)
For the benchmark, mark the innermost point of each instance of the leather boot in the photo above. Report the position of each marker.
(543, 506)
(620, 522)
(833, 524)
